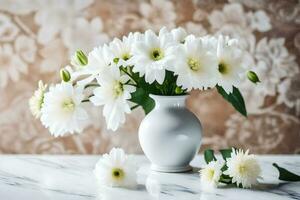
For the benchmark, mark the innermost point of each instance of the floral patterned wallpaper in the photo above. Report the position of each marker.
(38, 36)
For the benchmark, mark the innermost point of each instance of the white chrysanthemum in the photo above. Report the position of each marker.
(114, 94)
(62, 109)
(230, 63)
(122, 50)
(210, 174)
(84, 34)
(196, 66)
(116, 169)
(152, 56)
(243, 168)
(177, 34)
(12, 66)
(36, 101)
(99, 59)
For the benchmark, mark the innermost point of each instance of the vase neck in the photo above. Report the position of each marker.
(169, 101)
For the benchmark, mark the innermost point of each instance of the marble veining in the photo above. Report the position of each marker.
(71, 177)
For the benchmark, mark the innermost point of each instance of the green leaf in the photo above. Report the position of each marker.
(225, 179)
(224, 168)
(141, 97)
(235, 98)
(286, 175)
(209, 155)
(226, 153)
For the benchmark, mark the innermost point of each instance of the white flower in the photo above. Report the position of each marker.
(287, 93)
(196, 66)
(243, 168)
(116, 169)
(26, 48)
(53, 55)
(273, 64)
(195, 28)
(259, 21)
(8, 30)
(153, 56)
(178, 34)
(84, 35)
(122, 50)
(230, 63)
(37, 100)
(113, 93)
(278, 64)
(210, 174)
(98, 60)
(62, 110)
(11, 65)
(231, 14)
(55, 17)
(157, 13)
(19, 8)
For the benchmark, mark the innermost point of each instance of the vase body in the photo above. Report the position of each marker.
(170, 135)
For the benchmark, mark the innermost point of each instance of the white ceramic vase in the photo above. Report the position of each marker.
(170, 135)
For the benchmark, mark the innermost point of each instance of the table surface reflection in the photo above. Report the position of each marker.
(71, 177)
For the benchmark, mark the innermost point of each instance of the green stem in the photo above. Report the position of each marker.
(134, 107)
(225, 179)
(87, 100)
(91, 85)
(131, 84)
(226, 182)
(122, 69)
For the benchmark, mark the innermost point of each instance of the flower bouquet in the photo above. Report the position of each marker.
(122, 75)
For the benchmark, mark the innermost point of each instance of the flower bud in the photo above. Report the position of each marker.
(178, 90)
(65, 75)
(253, 77)
(116, 60)
(81, 58)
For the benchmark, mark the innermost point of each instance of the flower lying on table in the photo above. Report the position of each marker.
(237, 167)
(210, 174)
(240, 168)
(116, 169)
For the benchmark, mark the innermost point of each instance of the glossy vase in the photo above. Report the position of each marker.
(170, 135)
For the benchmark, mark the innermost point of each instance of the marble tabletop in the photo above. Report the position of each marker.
(38, 177)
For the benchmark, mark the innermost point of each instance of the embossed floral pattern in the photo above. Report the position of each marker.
(37, 38)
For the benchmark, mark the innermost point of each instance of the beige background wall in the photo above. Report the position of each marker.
(37, 37)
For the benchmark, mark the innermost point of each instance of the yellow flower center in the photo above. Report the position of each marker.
(118, 89)
(223, 68)
(41, 101)
(68, 105)
(193, 64)
(156, 54)
(126, 56)
(210, 174)
(117, 173)
(242, 169)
